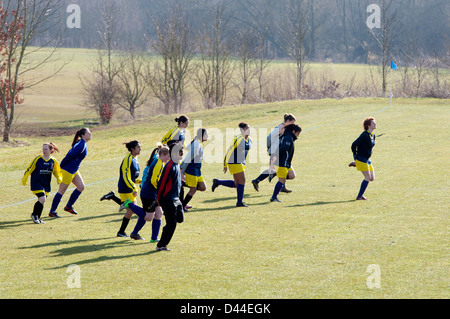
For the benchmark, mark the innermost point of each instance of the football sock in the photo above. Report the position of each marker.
(278, 187)
(116, 199)
(156, 226)
(137, 210)
(187, 199)
(363, 188)
(73, 198)
(140, 223)
(55, 202)
(124, 225)
(240, 193)
(263, 176)
(37, 210)
(226, 183)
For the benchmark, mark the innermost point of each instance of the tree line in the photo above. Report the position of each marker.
(152, 48)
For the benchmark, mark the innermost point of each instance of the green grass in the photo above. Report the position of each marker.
(318, 243)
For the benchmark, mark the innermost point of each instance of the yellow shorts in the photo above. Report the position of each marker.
(282, 172)
(363, 167)
(124, 197)
(236, 168)
(67, 177)
(192, 180)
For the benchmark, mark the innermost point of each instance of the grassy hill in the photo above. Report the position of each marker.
(317, 243)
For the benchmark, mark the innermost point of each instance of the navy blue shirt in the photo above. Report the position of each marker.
(362, 147)
(71, 163)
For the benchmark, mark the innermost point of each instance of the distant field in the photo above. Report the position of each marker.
(61, 97)
(317, 243)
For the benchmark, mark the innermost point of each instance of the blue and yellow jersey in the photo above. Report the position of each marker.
(150, 178)
(41, 171)
(238, 151)
(192, 163)
(176, 134)
(129, 172)
(72, 161)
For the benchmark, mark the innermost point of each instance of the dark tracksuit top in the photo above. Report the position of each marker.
(362, 147)
(169, 184)
(286, 150)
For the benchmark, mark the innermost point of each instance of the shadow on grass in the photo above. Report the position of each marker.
(102, 259)
(14, 223)
(318, 203)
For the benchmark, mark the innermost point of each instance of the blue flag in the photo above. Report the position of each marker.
(393, 66)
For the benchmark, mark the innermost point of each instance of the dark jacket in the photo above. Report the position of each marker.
(286, 150)
(362, 147)
(169, 184)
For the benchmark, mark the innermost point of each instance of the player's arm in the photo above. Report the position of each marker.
(57, 171)
(30, 169)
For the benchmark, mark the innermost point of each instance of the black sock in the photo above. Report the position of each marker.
(182, 194)
(125, 222)
(261, 177)
(116, 199)
(37, 210)
(187, 199)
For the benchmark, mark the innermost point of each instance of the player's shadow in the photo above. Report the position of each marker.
(14, 223)
(318, 203)
(102, 259)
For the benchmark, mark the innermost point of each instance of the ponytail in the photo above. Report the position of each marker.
(289, 117)
(131, 145)
(182, 118)
(78, 135)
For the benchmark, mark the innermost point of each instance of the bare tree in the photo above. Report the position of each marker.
(293, 35)
(20, 23)
(168, 73)
(131, 85)
(100, 89)
(385, 37)
(215, 66)
(247, 63)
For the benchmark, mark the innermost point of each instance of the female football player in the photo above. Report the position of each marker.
(192, 166)
(70, 174)
(178, 132)
(41, 169)
(273, 141)
(283, 162)
(235, 161)
(362, 151)
(150, 211)
(127, 185)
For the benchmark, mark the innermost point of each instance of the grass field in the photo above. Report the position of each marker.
(317, 243)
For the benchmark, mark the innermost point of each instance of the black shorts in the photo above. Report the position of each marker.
(39, 195)
(149, 205)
